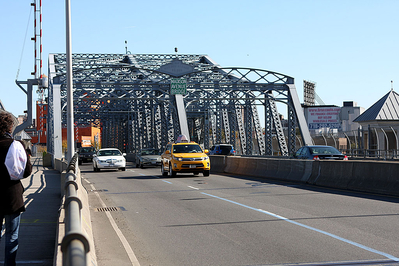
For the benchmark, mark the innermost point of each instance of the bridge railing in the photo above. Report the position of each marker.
(371, 153)
(75, 244)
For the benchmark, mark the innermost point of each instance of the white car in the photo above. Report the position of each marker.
(109, 158)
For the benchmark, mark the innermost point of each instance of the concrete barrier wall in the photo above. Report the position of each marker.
(86, 221)
(290, 170)
(335, 174)
(231, 164)
(377, 177)
(85, 216)
(364, 176)
(217, 164)
(60, 165)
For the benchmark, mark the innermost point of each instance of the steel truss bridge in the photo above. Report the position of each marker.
(129, 97)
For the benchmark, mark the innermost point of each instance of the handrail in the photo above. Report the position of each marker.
(372, 153)
(74, 245)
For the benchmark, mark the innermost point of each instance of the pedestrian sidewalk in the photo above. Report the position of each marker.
(38, 229)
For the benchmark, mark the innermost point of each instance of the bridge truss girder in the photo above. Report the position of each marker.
(129, 97)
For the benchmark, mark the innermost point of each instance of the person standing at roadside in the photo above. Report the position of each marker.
(14, 165)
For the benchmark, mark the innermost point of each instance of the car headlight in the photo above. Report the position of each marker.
(205, 158)
(178, 158)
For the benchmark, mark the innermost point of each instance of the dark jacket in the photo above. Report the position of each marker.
(11, 192)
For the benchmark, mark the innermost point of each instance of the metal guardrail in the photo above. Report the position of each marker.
(74, 245)
(372, 154)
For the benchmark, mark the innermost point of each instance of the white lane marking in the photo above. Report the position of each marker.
(391, 257)
(166, 181)
(128, 249)
(193, 187)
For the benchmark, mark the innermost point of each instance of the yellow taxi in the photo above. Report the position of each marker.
(184, 157)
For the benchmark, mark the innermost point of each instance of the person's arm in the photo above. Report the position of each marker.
(17, 161)
(28, 167)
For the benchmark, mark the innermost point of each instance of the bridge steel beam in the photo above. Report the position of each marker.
(129, 96)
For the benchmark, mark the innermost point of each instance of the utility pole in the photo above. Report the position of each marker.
(70, 124)
(40, 80)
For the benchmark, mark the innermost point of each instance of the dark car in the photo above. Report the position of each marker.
(86, 154)
(318, 152)
(222, 149)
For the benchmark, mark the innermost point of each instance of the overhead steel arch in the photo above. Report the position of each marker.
(129, 97)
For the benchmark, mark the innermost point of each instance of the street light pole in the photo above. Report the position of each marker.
(70, 124)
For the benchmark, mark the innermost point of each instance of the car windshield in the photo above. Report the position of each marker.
(150, 152)
(324, 150)
(187, 149)
(225, 148)
(109, 153)
(87, 149)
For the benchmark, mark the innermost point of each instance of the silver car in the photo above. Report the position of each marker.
(148, 157)
(109, 158)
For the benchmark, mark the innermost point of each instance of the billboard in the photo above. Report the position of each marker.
(323, 117)
(86, 141)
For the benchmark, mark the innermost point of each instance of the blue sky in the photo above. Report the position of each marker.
(348, 47)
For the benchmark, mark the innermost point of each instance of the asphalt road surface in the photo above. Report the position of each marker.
(142, 218)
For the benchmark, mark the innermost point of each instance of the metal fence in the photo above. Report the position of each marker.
(370, 142)
(372, 154)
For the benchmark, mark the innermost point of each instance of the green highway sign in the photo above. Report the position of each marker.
(178, 86)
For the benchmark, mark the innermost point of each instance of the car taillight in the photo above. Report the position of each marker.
(316, 158)
(345, 158)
